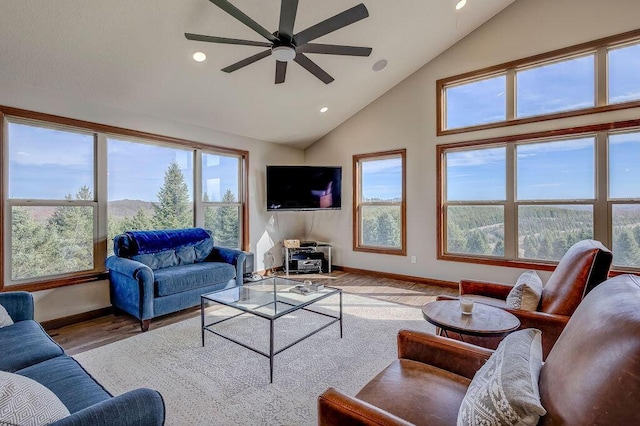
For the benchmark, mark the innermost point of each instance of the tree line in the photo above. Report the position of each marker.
(64, 241)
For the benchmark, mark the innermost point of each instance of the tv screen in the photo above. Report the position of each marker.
(304, 188)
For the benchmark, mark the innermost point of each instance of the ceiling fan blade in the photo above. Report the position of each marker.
(240, 16)
(336, 22)
(224, 40)
(281, 71)
(247, 61)
(288, 11)
(313, 68)
(333, 49)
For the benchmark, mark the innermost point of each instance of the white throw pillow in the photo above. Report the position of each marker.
(25, 402)
(526, 293)
(504, 391)
(5, 319)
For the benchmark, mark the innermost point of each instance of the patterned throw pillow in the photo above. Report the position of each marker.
(526, 293)
(505, 391)
(24, 401)
(5, 319)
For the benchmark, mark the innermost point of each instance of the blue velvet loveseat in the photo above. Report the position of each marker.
(29, 355)
(153, 273)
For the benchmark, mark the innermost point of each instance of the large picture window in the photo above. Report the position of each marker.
(50, 201)
(589, 78)
(379, 202)
(71, 186)
(553, 193)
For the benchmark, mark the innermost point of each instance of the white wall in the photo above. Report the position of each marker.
(265, 232)
(405, 117)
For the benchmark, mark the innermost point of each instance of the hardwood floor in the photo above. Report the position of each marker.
(101, 331)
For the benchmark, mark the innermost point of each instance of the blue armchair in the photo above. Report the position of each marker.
(153, 273)
(28, 350)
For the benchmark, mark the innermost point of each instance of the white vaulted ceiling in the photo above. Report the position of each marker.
(132, 54)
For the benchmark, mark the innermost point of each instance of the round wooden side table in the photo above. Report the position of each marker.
(484, 321)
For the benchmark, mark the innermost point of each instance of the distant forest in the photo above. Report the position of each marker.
(545, 232)
(55, 240)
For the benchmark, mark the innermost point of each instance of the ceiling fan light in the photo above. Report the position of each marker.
(283, 53)
(461, 4)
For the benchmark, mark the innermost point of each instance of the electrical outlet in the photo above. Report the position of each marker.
(414, 259)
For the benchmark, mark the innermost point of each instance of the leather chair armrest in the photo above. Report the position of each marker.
(485, 288)
(457, 357)
(336, 408)
(551, 325)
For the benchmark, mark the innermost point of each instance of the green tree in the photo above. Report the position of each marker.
(387, 235)
(72, 228)
(498, 249)
(32, 250)
(477, 242)
(456, 242)
(625, 249)
(174, 208)
(223, 221)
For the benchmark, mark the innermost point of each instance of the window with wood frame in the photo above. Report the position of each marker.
(379, 203)
(523, 200)
(70, 186)
(589, 78)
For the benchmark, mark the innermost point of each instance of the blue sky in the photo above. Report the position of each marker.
(547, 171)
(560, 86)
(49, 164)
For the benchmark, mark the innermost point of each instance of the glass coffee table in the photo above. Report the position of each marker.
(269, 299)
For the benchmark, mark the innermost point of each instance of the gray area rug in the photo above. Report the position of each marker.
(226, 384)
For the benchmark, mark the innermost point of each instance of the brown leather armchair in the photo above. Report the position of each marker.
(589, 378)
(585, 265)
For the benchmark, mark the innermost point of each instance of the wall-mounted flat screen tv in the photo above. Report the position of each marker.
(304, 188)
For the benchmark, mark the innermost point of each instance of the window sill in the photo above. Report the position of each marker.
(50, 283)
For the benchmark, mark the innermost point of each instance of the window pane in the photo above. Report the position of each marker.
(560, 86)
(478, 102)
(49, 240)
(475, 230)
(382, 180)
(48, 164)
(624, 165)
(563, 170)
(547, 232)
(476, 175)
(381, 226)
(220, 178)
(149, 187)
(626, 234)
(624, 74)
(224, 222)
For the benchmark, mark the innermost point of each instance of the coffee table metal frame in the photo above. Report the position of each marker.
(278, 293)
(488, 320)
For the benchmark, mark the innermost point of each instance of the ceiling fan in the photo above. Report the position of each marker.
(284, 45)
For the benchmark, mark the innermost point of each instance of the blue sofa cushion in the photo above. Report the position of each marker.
(69, 381)
(25, 343)
(142, 242)
(163, 259)
(187, 277)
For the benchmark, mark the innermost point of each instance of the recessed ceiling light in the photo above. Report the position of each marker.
(324, 109)
(461, 4)
(199, 57)
(379, 65)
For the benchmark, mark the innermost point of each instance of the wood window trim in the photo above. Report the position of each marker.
(402, 251)
(7, 112)
(559, 54)
(440, 206)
